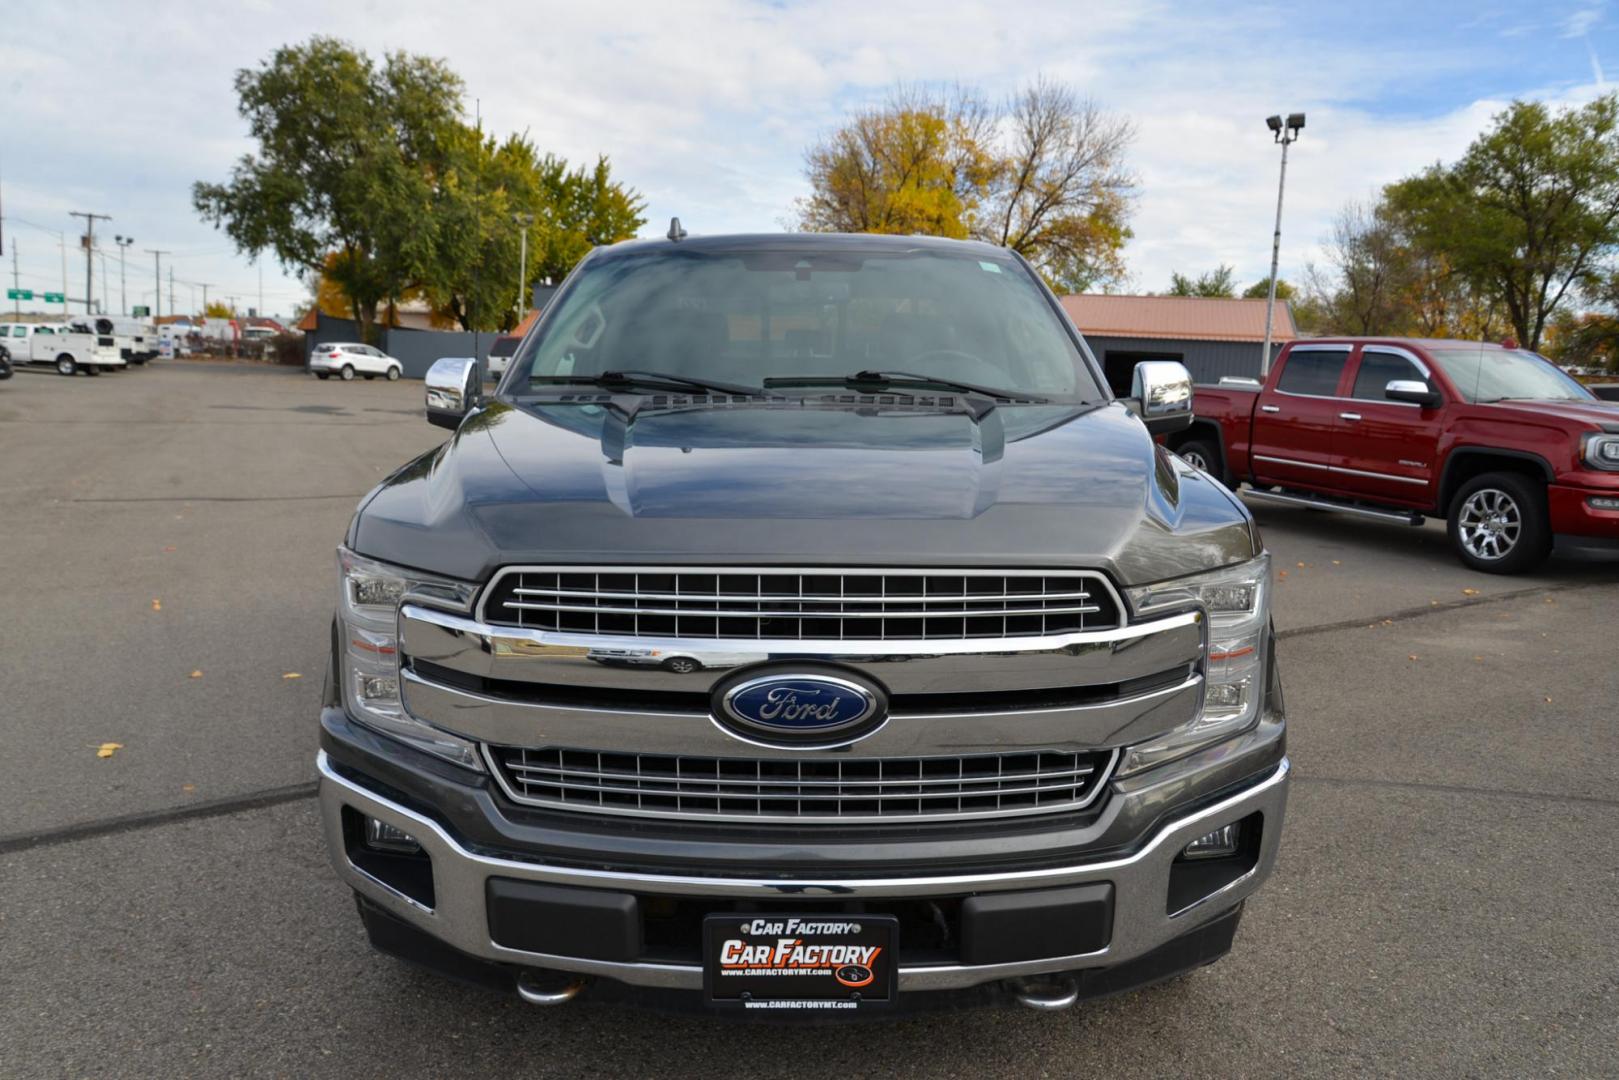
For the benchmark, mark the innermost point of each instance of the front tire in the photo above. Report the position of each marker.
(1499, 524)
(348, 373)
(393, 374)
(681, 665)
(66, 365)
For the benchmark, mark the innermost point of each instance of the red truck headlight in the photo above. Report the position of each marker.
(1602, 452)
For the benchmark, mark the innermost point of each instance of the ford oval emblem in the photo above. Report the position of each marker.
(800, 708)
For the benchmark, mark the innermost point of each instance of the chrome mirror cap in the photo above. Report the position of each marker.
(452, 390)
(1412, 391)
(1161, 393)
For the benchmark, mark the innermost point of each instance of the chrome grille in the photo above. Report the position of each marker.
(797, 789)
(837, 605)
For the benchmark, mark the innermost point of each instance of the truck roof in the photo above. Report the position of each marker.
(1421, 343)
(808, 242)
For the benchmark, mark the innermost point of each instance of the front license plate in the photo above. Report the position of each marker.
(800, 962)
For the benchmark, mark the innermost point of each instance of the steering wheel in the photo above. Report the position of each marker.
(985, 372)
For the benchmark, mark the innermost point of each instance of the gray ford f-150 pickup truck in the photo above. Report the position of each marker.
(801, 627)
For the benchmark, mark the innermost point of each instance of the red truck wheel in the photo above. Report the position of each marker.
(1498, 524)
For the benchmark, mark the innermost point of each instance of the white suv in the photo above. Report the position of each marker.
(346, 360)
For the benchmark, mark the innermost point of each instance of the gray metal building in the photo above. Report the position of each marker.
(1211, 336)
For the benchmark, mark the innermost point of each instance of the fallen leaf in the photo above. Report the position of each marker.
(1413, 656)
(107, 749)
(1337, 562)
(1301, 566)
(188, 788)
(1479, 658)
(157, 605)
(1469, 592)
(1281, 573)
(1548, 701)
(170, 548)
(197, 674)
(292, 675)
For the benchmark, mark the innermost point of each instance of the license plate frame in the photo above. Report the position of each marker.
(804, 963)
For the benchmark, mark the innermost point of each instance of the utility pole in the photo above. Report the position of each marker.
(171, 288)
(260, 263)
(61, 242)
(1294, 125)
(157, 281)
(16, 283)
(123, 243)
(205, 285)
(90, 220)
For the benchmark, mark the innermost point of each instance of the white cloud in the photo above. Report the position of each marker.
(707, 106)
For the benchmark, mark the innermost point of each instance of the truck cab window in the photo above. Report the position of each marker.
(1313, 371)
(1378, 369)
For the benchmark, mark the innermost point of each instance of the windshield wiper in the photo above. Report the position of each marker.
(647, 380)
(901, 378)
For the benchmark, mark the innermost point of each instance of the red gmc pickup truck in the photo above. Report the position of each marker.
(1511, 451)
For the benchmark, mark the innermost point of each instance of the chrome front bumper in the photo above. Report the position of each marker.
(1140, 881)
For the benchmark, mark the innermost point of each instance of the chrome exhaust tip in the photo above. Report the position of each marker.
(1048, 993)
(530, 990)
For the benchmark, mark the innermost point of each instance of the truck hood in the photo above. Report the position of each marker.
(1600, 414)
(777, 484)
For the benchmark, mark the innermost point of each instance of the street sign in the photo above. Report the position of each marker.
(55, 298)
(141, 311)
(19, 294)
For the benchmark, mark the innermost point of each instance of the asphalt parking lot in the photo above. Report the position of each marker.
(1445, 903)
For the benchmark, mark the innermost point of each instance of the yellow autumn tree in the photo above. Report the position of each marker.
(1042, 174)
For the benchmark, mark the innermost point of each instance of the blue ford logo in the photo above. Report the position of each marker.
(799, 708)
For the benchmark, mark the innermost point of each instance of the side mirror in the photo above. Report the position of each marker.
(1161, 394)
(452, 390)
(1413, 392)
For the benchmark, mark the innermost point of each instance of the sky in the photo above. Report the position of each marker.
(706, 107)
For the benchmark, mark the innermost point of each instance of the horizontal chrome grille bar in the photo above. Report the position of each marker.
(800, 790)
(917, 613)
(576, 774)
(771, 604)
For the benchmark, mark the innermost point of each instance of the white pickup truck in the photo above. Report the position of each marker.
(72, 346)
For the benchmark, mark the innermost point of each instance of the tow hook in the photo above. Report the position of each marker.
(1047, 992)
(531, 990)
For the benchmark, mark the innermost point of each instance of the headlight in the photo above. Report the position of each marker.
(1237, 600)
(368, 601)
(1602, 452)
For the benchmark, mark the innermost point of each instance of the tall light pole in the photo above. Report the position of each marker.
(157, 279)
(89, 251)
(123, 243)
(1285, 133)
(523, 222)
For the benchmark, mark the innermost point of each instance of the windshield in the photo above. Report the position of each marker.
(1485, 375)
(743, 316)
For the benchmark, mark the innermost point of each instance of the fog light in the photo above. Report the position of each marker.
(1602, 502)
(379, 688)
(381, 836)
(1222, 841)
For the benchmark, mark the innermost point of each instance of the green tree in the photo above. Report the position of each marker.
(1260, 290)
(1220, 282)
(490, 191)
(349, 158)
(1530, 212)
(1042, 174)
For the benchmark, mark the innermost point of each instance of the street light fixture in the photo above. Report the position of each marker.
(523, 221)
(1285, 134)
(123, 243)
